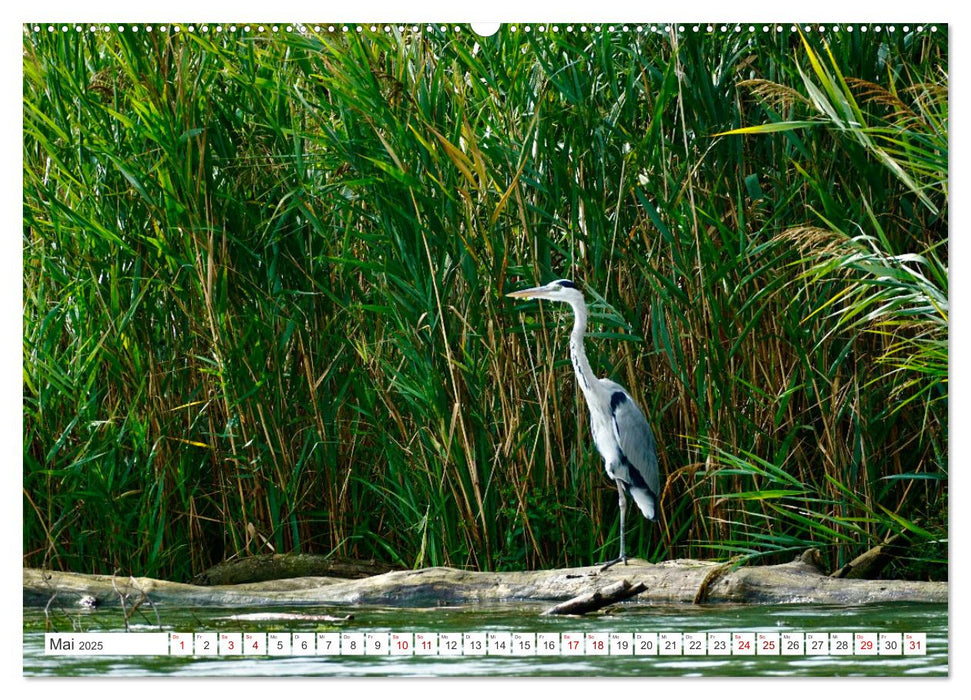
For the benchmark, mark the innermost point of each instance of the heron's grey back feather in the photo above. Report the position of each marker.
(636, 441)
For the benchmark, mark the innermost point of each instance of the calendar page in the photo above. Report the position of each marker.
(568, 348)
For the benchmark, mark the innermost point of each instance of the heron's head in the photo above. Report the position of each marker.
(558, 290)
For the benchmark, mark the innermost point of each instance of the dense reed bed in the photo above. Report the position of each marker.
(264, 276)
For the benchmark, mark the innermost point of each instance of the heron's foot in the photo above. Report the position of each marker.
(611, 563)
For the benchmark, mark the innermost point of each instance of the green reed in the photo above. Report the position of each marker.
(264, 282)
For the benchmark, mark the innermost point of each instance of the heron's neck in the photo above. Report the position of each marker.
(581, 365)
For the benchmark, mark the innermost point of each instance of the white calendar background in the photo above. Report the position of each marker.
(486, 643)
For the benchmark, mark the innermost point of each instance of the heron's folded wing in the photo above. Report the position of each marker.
(636, 441)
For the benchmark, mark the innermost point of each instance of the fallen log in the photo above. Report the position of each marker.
(677, 581)
(600, 598)
(272, 567)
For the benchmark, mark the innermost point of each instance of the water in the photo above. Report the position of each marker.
(930, 619)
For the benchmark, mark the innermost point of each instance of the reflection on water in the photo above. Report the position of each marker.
(930, 619)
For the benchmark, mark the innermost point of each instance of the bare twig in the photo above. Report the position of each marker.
(588, 602)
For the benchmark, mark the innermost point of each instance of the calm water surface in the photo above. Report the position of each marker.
(930, 619)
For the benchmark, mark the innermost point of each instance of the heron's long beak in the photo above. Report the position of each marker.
(527, 293)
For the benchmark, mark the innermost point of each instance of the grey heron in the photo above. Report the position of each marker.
(620, 430)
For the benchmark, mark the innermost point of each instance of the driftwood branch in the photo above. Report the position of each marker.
(595, 600)
(288, 617)
(871, 562)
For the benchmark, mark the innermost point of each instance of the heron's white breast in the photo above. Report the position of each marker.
(605, 440)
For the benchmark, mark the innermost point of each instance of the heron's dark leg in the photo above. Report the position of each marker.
(622, 500)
